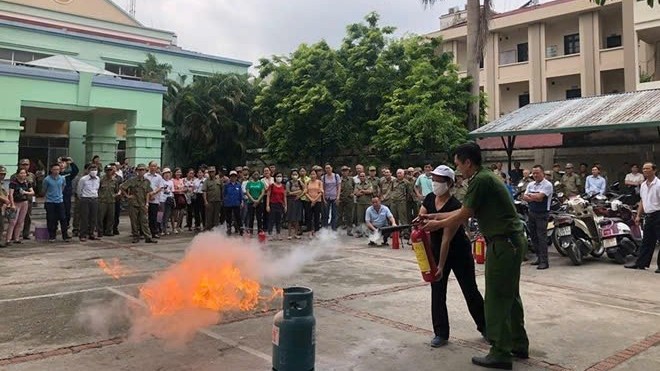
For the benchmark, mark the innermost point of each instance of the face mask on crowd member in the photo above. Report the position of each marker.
(443, 178)
(294, 175)
(93, 172)
(278, 178)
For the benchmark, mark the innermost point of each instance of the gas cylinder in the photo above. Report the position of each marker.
(396, 240)
(262, 236)
(479, 249)
(421, 245)
(294, 331)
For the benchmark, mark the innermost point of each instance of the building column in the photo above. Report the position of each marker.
(77, 132)
(589, 54)
(536, 45)
(144, 136)
(10, 132)
(630, 49)
(101, 138)
(491, 87)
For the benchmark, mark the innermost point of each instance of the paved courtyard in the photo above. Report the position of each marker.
(372, 311)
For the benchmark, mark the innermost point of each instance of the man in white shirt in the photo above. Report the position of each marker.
(634, 178)
(539, 195)
(649, 192)
(88, 195)
(157, 185)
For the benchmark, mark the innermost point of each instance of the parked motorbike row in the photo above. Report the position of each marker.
(586, 225)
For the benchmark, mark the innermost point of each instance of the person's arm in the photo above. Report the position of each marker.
(11, 198)
(74, 170)
(44, 185)
(418, 188)
(268, 198)
(338, 180)
(285, 203)
(262, 194)
(602, 187)
(587, 186)
(447, 235)
(204, 191)
(367, 221)
(638, 217)
(79, 188)
(30, 191)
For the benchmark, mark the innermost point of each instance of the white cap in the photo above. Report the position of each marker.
(167, 170)
(445, 171)
(233, 172)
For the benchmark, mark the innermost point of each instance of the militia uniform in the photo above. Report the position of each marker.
(385, 192)
(107, 191)
(213, 188)
(571, 184)
(396, 191)
(138, 189)
(498, 221)
(345, 207)
(363, 192)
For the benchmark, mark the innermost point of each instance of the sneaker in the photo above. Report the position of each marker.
(384, 244)
(437, 342)
(51, 240)
(26, 237)
(289, 238)
(150, 240)
(83, 239)
(371, 243)
(115, 232)
(67, 239)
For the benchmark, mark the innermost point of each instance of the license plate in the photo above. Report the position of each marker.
(563, 231)
(610, 242)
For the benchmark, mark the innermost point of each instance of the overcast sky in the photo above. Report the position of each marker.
(251, 29)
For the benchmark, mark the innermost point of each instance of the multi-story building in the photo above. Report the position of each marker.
(81, 111)
(561, 49)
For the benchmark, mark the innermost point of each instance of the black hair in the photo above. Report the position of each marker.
(539, 166)
(469, 151)
(54, 164)
(87, 166)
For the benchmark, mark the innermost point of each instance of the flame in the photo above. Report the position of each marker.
(113, 269)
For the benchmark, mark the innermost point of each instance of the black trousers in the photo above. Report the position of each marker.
(651, 237)
(200, 210)
(154, 226)
(67, 205)
(89, 210)
(55, 212)
(460, 262)
(276, 216)
(115, 225)
(538, 226)
(190, 210)
(313, 216)
(233, 215)
(258, 212)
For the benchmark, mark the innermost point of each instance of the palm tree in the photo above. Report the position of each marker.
(152, 71)
(477, 34)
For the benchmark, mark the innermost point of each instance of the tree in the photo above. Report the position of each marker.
(425, 114)
(477, 34)
(152, 71)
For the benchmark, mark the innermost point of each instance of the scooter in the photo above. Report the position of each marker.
(620, 234)
(578, 232)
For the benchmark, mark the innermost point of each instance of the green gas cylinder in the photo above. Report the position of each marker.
(294, 337)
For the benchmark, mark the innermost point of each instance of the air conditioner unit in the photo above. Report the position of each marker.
(551, 51)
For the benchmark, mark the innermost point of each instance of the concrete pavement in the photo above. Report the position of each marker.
(372, 311)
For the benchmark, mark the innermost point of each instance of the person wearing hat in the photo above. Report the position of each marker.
(460, 186)
(108, 192)
(137, 191)
(212, 188)
(453, 252)
(233, 201)
(4, 203)
(548, 175)
(489, 201)
(24, 164)
(570, 182)
(346, 201)
(372, 177)
(556, 173)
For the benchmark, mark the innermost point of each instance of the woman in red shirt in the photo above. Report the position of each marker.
(276, 205)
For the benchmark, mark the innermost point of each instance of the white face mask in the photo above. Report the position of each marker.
(294, 177)
(439, 188)
(93, 173)
(278, 179)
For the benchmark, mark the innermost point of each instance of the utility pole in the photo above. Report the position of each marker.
(131, 7)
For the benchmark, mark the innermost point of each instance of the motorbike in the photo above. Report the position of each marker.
(620, 234)
(578, 231)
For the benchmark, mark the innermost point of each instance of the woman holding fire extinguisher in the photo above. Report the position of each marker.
(451, 249)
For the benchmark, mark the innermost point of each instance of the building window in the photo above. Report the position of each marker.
(19, 57)
(573, 93)
(523, 52)
(613, 41)
(523, 100)
(124, 71)
(572, 44)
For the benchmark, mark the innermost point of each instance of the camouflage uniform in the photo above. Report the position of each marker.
(107, 190)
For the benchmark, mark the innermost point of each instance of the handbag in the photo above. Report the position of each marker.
(180, 201)
(10, 213)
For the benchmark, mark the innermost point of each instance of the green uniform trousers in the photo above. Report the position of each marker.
(505, 322)
(361, 212)
(345, 211)
(139, 222)
(399, 211)
(106, 218)
(213, 210)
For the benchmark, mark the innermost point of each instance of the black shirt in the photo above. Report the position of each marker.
(460, 240)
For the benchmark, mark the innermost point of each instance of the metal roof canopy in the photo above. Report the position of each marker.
(606, 112)
(68, 63)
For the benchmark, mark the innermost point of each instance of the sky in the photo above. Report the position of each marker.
(252, 29)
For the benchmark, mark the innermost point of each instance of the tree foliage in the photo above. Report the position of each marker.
(152, 71)
(372, 94)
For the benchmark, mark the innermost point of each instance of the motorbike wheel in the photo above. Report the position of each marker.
(597, 253)
(575, 253)
(618, 257)
(629, 247)
(555, 241)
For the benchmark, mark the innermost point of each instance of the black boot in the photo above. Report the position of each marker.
(490, 362)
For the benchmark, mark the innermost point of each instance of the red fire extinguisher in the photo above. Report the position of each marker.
(262, 236)
(395, 240)
(479, 249)
(421, 245)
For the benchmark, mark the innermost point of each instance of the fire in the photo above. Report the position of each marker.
(113, 269)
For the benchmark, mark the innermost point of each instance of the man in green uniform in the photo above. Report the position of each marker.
(212, 189)
(490, 202)
(398, 197)
(386, 186)
(570, 182)
(363, 193)
(138, 191)
(4, 203)
(108, 190)
(345, 204)
(31, 178)
(375, 182)
(460, 188)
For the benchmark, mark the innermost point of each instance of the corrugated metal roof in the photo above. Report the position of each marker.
(605, 112)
